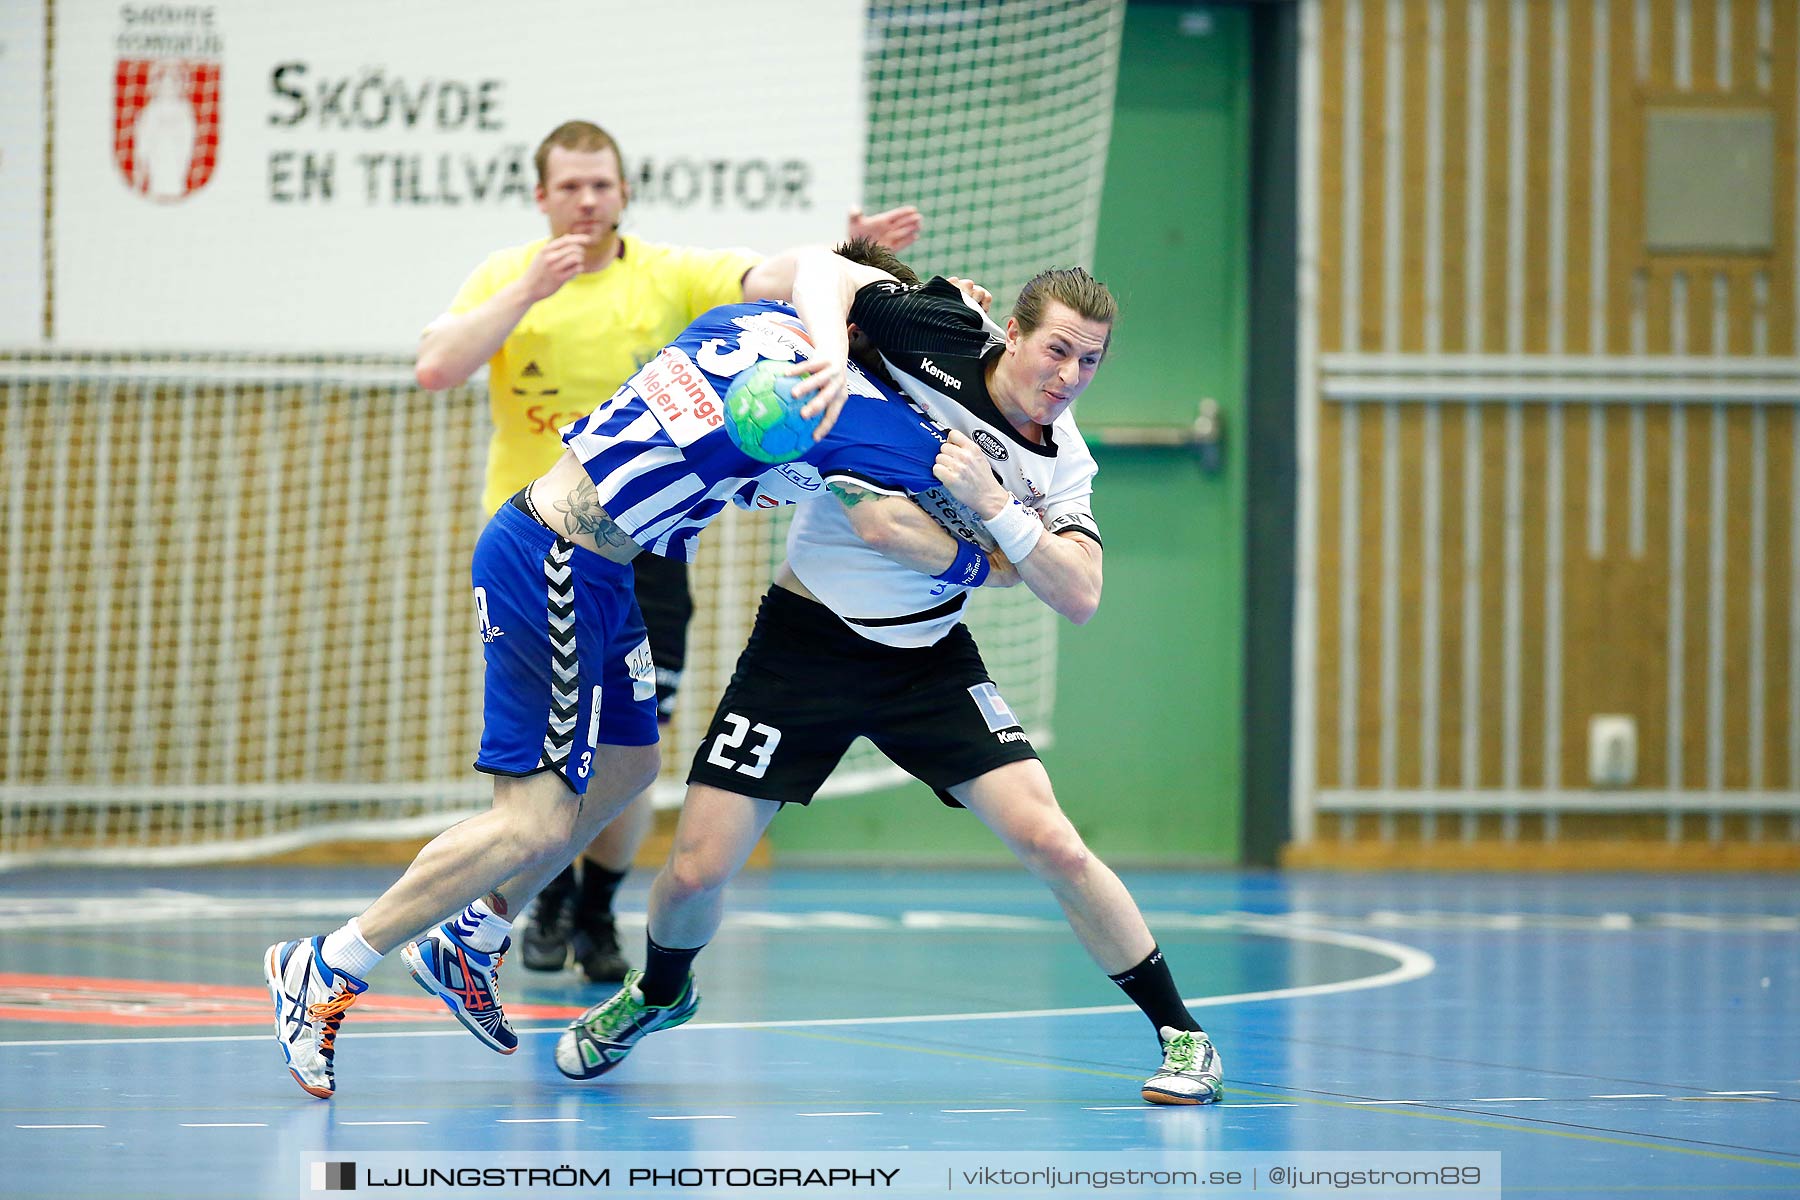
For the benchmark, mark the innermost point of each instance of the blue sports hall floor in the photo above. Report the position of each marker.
(1607, 1036)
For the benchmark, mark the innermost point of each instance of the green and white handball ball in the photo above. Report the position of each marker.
(762, 416)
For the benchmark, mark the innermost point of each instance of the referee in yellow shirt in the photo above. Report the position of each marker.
(561, 322)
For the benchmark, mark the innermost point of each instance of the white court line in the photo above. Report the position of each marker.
(1387, 1101)
(1412, 963)
(59, 1127)
(1273, 1104)
(1503, 1099)
(1743, 1093)
(384, 1122)
(538, 1120)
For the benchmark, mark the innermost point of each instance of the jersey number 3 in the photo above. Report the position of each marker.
(733, 738)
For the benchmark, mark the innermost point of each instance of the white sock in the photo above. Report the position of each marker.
(480, 927)
(346, 951)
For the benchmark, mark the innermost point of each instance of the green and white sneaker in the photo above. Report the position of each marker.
(1190, 1071)
(599, 1039)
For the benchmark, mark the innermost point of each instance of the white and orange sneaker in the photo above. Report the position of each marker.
(310, 1001)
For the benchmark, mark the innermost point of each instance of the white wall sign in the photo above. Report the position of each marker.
(236, 175)
(22, 172)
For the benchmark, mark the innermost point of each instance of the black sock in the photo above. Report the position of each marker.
(1152, 989)
(665, 972)
(597, 888)
(558, 890)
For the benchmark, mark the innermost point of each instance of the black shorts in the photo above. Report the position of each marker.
(806, 687)
(661, 585)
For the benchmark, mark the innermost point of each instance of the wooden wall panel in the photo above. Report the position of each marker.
(1533, 321)
(1490, 771)
(1409, 713)
(1455, 180)
(1525, 220)
(1497, 119)
(1450, 603)
(1528, 768)
(1584, 93)
(1369, 61)
(1691, 711)
(1583, 611)
(1779, 718)
(1414, 185)
(1642, 601)
(1330, 583)
(1333, 146)
(1734, 770)
(1369, 452)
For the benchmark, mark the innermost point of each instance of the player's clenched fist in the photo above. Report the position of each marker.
(557, 263)
(977, 295)
(963, 468)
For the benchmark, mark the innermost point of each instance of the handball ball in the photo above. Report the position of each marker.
(762, 416)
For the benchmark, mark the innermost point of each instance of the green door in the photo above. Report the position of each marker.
(1149, 732)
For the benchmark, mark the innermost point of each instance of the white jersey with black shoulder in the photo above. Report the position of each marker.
(936, 346)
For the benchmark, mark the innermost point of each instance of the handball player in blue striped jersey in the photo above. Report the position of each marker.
(569, 706)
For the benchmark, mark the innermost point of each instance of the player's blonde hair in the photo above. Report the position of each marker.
(1071, 287)
(582, 136)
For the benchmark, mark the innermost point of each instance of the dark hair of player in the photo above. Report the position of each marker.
(868, 252)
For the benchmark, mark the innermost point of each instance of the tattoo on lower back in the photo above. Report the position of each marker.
(850, 494)
(581, 513)
(497, 903)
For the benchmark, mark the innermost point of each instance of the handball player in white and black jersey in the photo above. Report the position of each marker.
(851, 642)
(569, 718)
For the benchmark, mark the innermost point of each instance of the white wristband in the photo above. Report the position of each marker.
(1016, 531)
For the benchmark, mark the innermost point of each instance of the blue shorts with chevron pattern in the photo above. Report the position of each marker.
(568, 662)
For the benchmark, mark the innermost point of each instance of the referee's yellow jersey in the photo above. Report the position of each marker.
(574, 349)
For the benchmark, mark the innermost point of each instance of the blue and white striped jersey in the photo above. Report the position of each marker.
(664, 466)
